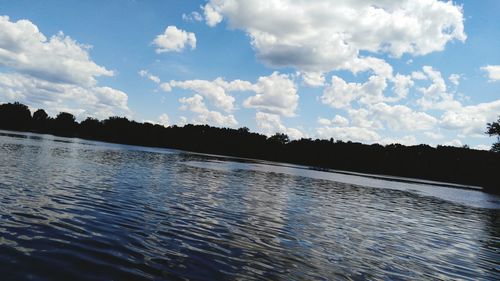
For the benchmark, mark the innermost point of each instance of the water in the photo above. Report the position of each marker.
(72, 209)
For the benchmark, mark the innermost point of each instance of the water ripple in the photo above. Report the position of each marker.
(79, 210)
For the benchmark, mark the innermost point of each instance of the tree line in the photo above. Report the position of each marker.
(459, 165)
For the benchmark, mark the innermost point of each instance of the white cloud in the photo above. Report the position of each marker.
(355, 134)
(363, 135)
(340, 94)
(182, 121)
(436, 95)
(470, 120)
(216, 91)
(323, 35)
(196, 105)
(493, 72)
(212, 16)
(434, 135)
(455, 79)
(401, 87)
(165, 87)
(164, 120)
(60, 59)
(275, 94)
(146, 74)
(396, 118)
(482, 147)
(174, 40)
(363, 118)
(405, 140)
(269, 124)
(313, 79)
(193, 16)
(338, 121)
(324, 121)
(454, 142)
(56, 74)
(418, 75)
(400, 117)
(81, 101)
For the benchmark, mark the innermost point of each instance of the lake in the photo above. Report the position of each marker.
(73, 209)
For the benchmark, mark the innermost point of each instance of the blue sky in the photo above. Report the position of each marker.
(371, 71)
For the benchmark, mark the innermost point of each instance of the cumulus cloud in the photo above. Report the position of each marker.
(216, 91)
(405, 140)
(418, 75)
(455, 79)
(196, 105)
(59, 59)
(166, 87)
(482, 147)
(212, 15)
(174, 40)
(355, 134)
(164, 120)
(434, 135)
(401, 87)
(81, 101)
(340, 94)
(454, 142)
(400, 117)
(322, 35)
(493, 72)
(436, 95)
(191, 17)
(313, 79)
(374, 112)
(470, 120)
(56, 74)
(146, 74)
(269, 124)
(276, 94)
(396, 118)
(363, 118)
(338, 121)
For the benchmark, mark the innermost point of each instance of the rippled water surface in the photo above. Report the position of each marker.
(79, 210)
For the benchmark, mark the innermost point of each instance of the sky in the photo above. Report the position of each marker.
(410, 71)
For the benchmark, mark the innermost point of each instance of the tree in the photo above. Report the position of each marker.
(65, 124)
(40, 120)
(279, 138)
(40, 115)
(90, 127)
(493, 129)
(15, 116)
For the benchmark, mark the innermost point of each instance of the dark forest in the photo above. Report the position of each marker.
(459, 165)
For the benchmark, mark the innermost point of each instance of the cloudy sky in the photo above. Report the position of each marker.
(410, 71)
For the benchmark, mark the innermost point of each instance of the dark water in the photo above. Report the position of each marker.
(73, 210)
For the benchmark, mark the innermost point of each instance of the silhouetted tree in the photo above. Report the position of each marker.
(40, 120)
(40, 115)
(15, 116)
(443, 163)
(65, 124)
(493, 129)
(90, 128)
(244, 130)
(279, 138)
